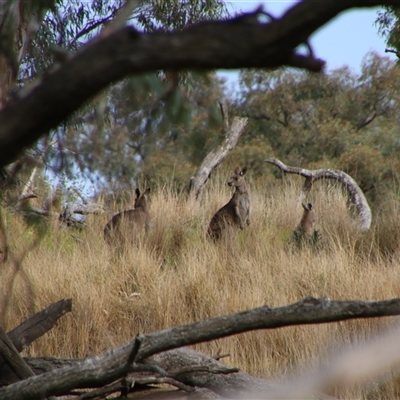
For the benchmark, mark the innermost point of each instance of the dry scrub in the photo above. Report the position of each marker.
(177, 276)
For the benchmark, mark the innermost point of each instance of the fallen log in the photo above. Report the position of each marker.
(12, 366)
(40, 323)
(184, 369)
(139, 355)
(11, 357)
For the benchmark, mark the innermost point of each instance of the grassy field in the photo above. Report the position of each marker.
(176, 276)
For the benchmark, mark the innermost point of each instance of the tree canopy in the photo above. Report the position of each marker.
(388, 22)
(164, 115)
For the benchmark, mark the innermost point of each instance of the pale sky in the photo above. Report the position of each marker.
(343, 41)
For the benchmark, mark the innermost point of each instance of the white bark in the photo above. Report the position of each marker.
(357, 196)
(233, 132)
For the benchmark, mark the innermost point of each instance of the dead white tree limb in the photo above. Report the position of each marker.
(67, 215)
(233, 132)
(356, 195)
(132, 356)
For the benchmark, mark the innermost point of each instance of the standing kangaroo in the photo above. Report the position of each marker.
(236, 213)
(128, 220)
(307, 221)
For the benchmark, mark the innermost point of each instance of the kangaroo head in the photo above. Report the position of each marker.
(237, 178)
(141, 198)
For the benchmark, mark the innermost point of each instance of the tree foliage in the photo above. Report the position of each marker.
(147, 125)
(388, 22)
(163, 123)
(131, 121)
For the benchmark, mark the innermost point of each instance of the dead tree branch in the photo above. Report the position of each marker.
(233, 132)
(367, 121)
(242, 42)
(10, 355)
(356, 195)
(40, 323)
(112, 365)
(392, 51)
(206, 372)
(22, 336)
(67, 215)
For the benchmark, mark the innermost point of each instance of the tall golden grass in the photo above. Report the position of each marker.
(176, 276)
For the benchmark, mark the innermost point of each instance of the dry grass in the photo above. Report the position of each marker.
(176, 276)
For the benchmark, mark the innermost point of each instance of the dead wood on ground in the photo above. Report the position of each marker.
(150, 356)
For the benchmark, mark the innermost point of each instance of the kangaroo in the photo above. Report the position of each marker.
(236, 213)
(138, 217)
(307, 221)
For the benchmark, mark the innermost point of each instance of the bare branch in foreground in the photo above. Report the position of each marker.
(40, 323)
(10, 355)
(112, 365)
(357, 196)
(22, 336)
(392, 51)
(233, 132)
(242, 42)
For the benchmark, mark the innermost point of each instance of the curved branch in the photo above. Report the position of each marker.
(241, 42)
(356, 195)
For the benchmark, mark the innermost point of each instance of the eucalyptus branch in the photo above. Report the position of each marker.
(229, 44)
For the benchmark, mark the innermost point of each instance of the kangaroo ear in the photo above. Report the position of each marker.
(137, 191)
(309, 206)
(147, 191)
(237, 171)
(243, 171)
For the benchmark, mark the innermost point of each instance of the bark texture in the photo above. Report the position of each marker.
(132, 356)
